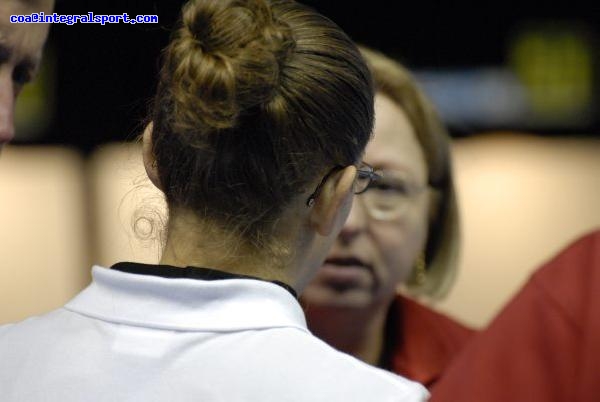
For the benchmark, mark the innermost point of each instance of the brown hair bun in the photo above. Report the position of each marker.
(225, 58)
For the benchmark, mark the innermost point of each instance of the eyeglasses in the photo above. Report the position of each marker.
(364, 177)
(390, 196)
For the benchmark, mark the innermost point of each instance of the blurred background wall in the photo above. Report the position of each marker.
(521, 199)
(72, 188)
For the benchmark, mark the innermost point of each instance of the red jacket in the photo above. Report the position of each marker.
(424, 342)
(545, 344)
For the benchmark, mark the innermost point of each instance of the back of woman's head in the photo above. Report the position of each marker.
(397, 83)
(256, 100)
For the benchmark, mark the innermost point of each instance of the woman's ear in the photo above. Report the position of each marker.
(148, 156)
(332, 206)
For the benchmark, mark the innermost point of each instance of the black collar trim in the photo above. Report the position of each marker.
(206, 274)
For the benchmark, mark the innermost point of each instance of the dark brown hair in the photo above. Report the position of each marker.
(256, 100)
(397, 83)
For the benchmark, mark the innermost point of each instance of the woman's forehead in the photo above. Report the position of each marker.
(394, 144)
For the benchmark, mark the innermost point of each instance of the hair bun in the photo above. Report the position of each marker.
(225, 58)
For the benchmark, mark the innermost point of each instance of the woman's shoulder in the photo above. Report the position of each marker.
(310, 369)
(418, 316)
(426, 341)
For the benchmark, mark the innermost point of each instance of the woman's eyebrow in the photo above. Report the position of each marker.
(29, 62)
(388, 165)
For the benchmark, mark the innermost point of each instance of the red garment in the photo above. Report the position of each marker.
(425, 341)
(545, 345)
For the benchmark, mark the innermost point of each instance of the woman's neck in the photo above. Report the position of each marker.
(191, 242)
(358, 332)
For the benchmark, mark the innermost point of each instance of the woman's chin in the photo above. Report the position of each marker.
(338, 296)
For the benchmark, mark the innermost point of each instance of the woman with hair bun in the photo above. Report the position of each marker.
(261, 115)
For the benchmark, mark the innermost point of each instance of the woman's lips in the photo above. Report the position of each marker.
(345, 273)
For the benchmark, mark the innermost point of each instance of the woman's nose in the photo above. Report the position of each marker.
(356, 222)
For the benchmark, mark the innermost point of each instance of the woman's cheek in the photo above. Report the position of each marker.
(394, 255)
(399, 246)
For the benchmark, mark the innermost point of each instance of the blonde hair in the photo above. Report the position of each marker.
(441, 251)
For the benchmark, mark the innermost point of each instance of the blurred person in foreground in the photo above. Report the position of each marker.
(260, 120)
(544, 346)
(20, 55)
(401, 238)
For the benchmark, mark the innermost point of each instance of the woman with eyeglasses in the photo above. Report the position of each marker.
(400, 238)
(260, 119)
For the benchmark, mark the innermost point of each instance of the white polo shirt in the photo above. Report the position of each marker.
(143, 337)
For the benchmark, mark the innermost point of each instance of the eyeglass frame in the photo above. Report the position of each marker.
(437, 189)
(369, 173)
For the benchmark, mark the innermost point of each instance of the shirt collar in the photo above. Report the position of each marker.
(207, 274)
(186, 304)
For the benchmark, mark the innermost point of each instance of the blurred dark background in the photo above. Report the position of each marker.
(494, 67)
